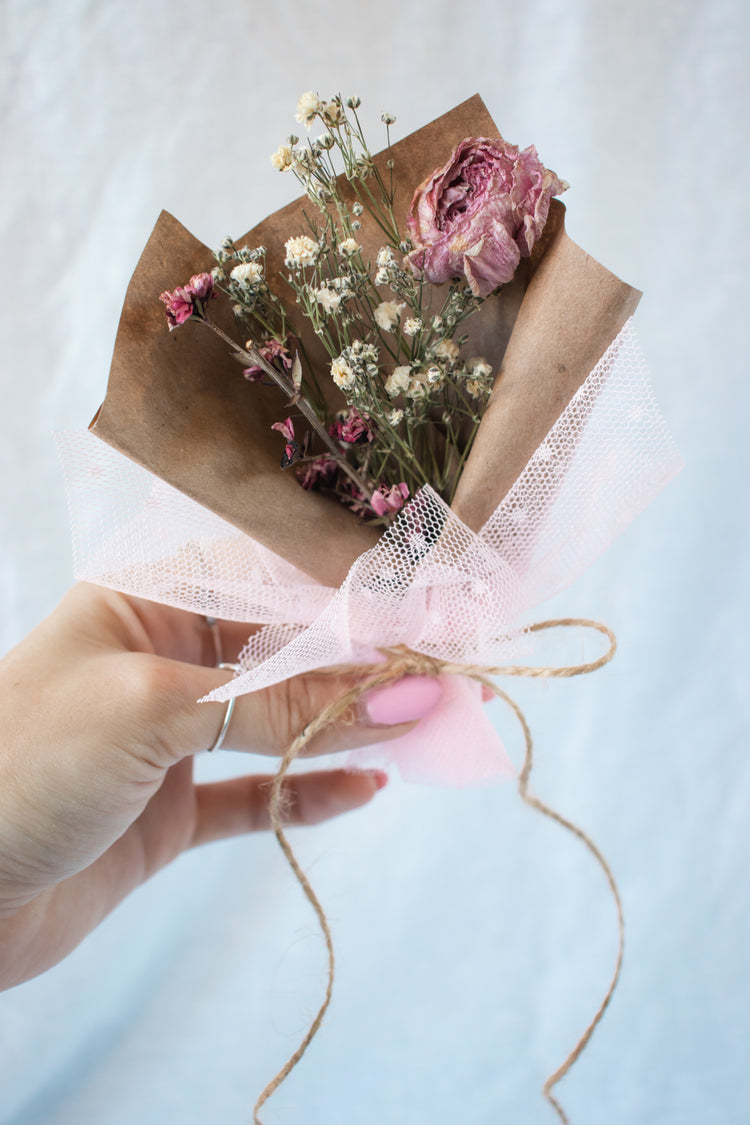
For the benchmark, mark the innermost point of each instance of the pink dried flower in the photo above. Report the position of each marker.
(385, 501)
(480, 213)
(179, 305)
(319, 473)
(351, 428)
(201, 285)
(354, 499)
(291, 449)
(181, 301)
(271, 350)
(286, 428)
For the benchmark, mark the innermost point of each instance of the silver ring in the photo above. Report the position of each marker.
(229, 711)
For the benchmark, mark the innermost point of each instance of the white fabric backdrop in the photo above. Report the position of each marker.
(474, 939)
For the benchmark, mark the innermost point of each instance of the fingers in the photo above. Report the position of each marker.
(266, 721)
(233, 808)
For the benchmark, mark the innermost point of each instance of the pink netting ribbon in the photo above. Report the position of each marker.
(430, 582)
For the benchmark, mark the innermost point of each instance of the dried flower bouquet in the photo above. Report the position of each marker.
(444, 418)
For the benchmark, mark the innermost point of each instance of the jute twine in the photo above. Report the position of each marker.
(402, 661)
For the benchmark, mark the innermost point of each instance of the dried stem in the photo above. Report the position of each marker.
(252, 357)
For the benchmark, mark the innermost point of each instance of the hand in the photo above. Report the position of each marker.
(100, 722)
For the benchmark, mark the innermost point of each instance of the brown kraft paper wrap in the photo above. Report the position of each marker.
(177, 403)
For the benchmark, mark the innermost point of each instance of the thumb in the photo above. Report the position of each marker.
(267, 721)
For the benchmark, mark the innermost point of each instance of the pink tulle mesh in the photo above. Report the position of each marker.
(430, 582)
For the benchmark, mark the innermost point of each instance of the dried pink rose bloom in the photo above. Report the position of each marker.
(385, 501)
(480, 213)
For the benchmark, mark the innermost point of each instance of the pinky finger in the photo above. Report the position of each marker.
(235, 807)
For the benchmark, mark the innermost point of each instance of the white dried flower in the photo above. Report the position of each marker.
(357, 209)
(479, 367)
(398, 381)
(434, 375)
(437, 323)
(348, 247)
(394, 416)
(329, 299)
(342, 285)
(249, 273)
(447, 350)
(387, 118)
(385, 257)
(283, 158)
(387, 315)
(342, 374)
(353, 101)
(412, 326)
(301, 251)
(308, 107)
(475, 388)
(332, 113)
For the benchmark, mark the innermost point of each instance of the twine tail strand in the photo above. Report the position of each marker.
(402, 661)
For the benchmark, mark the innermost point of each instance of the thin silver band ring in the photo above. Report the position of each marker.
(228, 713)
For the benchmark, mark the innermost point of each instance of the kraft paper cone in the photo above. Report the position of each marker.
(178, 405)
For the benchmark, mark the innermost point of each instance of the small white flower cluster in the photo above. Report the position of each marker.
(387, 315)
(355, 368)
(414, 381)
(328, 299)
(479, 377)
(248, 273)
(246, 280)
(310, 106)
(387, 266)
(301, 252)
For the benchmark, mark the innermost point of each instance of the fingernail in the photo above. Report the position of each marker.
(404, 701)
(380, 777)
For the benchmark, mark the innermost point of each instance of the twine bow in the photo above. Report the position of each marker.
(402, 661)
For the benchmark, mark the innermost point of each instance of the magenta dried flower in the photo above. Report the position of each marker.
(291, 449)
(201, 285)
(386, 501)
(181, 302)
(318, 473)
(351, 428)
(480, 213)
(271, 350)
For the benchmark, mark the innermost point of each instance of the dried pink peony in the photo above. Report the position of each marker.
(480, 213)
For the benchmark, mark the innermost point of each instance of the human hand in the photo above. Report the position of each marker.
(100, 722)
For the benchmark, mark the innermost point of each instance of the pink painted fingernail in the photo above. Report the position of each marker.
(380, 777)
(405, 701)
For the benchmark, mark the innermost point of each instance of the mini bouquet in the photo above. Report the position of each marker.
(385, 425)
